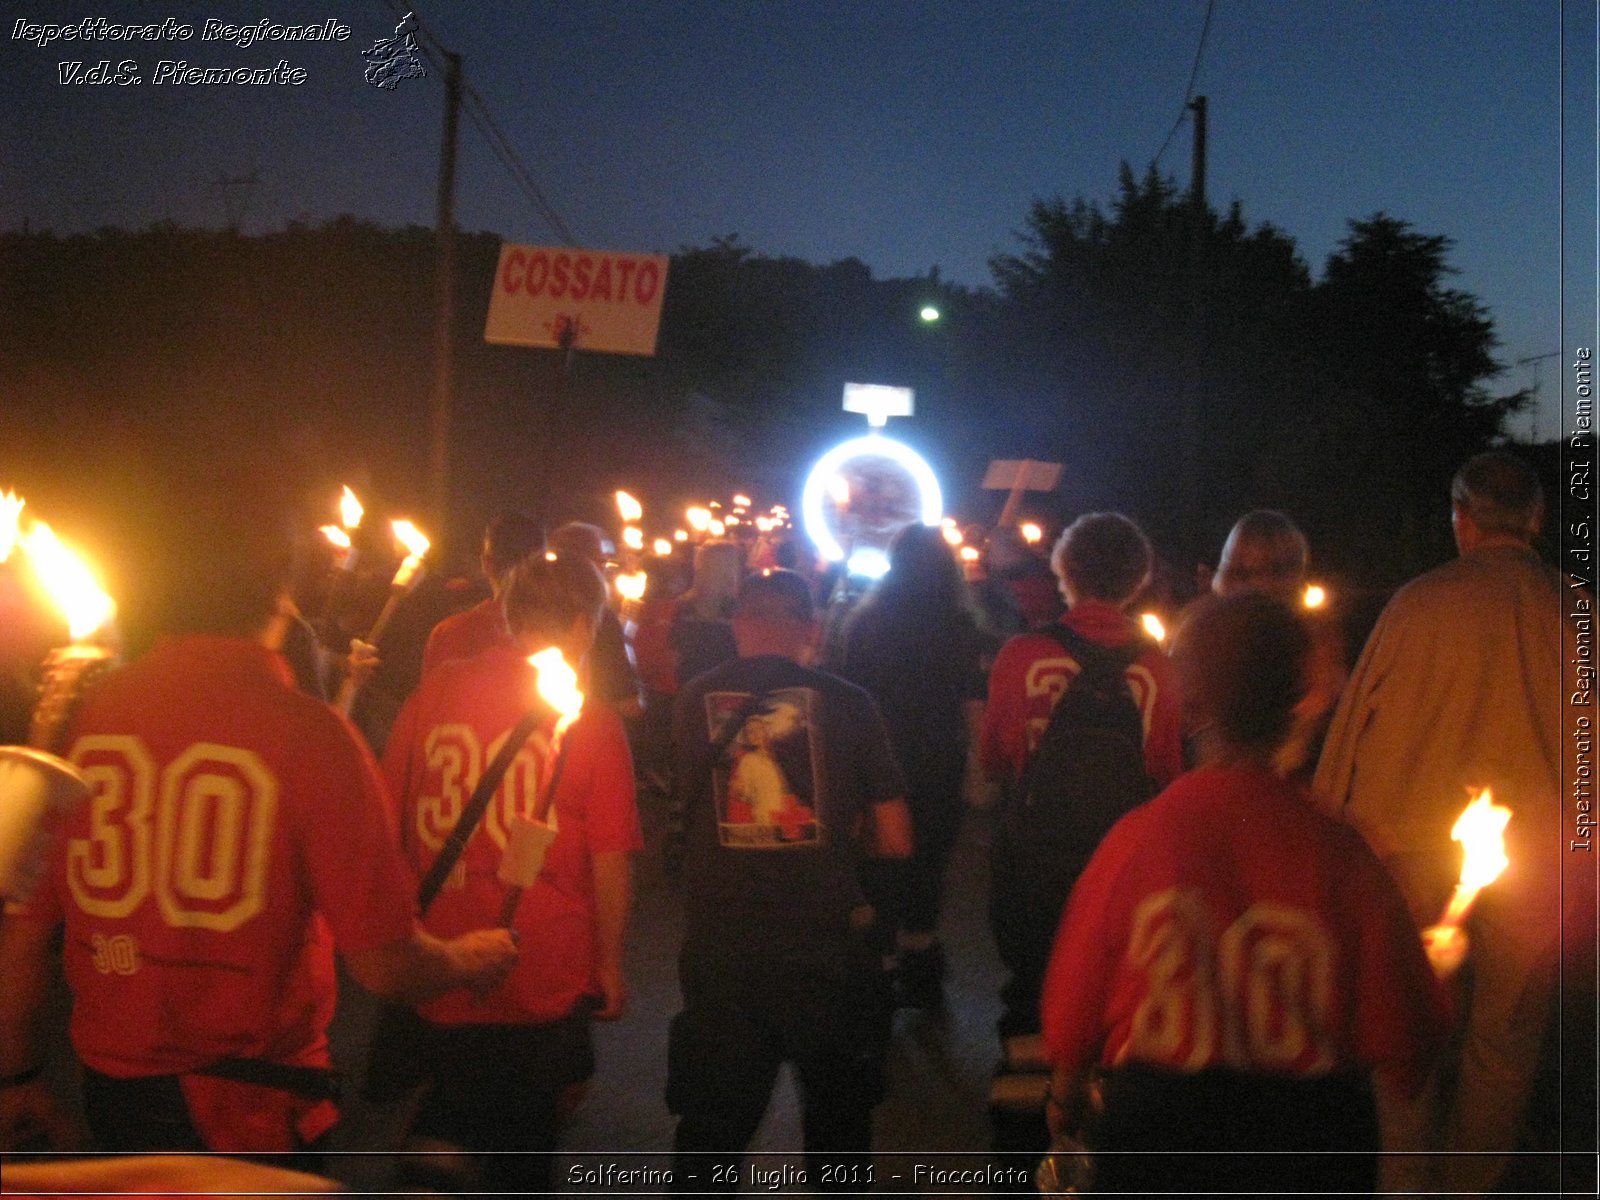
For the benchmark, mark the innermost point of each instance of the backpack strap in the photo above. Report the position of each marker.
(1093, 654)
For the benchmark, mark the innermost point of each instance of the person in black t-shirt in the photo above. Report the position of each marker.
(787, 780)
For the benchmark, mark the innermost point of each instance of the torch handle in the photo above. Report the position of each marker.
(396, 594)
(508, 907)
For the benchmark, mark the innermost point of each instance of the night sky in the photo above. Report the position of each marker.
(907, 135)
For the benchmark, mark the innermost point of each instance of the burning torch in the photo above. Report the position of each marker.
(530, 836)
(68, 670)
(405, 581)
(1481, 831)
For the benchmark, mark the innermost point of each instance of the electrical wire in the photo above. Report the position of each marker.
(478, 113)
(1188, 92)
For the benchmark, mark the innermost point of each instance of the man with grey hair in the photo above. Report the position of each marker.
(1458, 689)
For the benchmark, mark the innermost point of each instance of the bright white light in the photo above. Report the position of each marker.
(1315, 596)
(662, 547)
(869, 564)
(741, 501)
(818, 483)
(716, 527)
(929, 313)
(633, 537)
(1153, 626)
(1031, 533)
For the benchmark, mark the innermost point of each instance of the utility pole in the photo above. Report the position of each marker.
(444, 314)
(1533, 361)
(1190, 523)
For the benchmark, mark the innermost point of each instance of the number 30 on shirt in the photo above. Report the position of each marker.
(197, 834)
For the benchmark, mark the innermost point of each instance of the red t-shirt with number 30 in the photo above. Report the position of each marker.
(236, 831)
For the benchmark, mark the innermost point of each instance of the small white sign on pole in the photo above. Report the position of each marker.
(603, 300)
(878, 401)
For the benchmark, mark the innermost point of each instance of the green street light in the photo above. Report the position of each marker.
(929, 314)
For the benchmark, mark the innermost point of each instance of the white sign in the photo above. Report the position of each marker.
(609, 301)
(878, 401)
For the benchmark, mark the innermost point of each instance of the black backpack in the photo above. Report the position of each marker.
(1087, 771)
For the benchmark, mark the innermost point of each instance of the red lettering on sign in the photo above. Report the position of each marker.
(649, 280)
(517, 261)
(602, 281)
(625, 268)
(538, 272)
(581, 270)
(558, 275)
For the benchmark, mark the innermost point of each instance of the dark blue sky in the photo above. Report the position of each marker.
(903, 134)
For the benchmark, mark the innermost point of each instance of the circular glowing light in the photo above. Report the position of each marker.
(662, 547)
(970, 554)
(820, 484)
(929, 313)
(716, 527)
(1031, 533)
(1315, 596)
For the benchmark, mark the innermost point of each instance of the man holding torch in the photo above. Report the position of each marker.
(1458, 689)
(235, 835)
(505, 1065)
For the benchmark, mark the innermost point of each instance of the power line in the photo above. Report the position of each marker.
(1188, 92)
(477, 111)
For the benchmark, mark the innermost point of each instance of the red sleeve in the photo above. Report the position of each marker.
(1163, 747)
(1002, 740)
(607, 781)
(359, 882)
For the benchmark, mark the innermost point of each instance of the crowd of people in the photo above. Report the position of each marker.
(1212, 860)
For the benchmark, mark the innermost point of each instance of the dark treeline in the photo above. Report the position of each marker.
(1347, 400)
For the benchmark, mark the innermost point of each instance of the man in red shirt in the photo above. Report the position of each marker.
(504, 1063)
(508, 539)
(1102, 561)
(235, 835)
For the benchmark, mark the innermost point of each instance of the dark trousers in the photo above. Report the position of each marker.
(149, 1115)
(1230, 1133)
(746, 1012)
(1024, 914)
(496, 1090)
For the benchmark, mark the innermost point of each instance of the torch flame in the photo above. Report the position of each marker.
(416, 546)
(628, 507)
(350, 510)
(662, 547)
(1031, 532)
(698, 518)
(558, 686)
(741, 501)
(10, 522)
(631, 587)
(70, 582)
(1315, 596)
(633, 537)
(411, 538)
(1153, 626)
(1481, 831)
(336, 535)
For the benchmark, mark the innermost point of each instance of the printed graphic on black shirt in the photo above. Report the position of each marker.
(766, 783)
